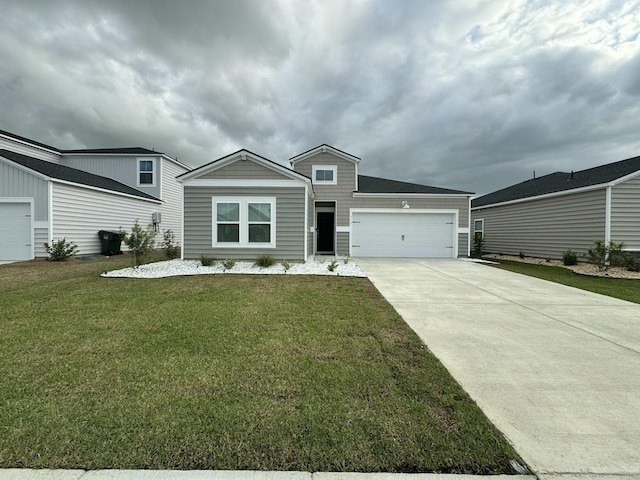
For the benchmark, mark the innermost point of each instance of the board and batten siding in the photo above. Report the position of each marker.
(80, 213)
(122, 168)
(30, 150)
(290, 222)
(16, 182)
(244, 170)
(625, 213)
(545, 227)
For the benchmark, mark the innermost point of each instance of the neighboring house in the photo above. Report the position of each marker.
(48, 194)
(244, 205)
(546, 216)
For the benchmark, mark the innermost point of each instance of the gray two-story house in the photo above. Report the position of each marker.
(244, 205)
(47, 194)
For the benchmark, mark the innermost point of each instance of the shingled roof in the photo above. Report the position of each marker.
(560, 182)
(116, 151)
(382, 185)
(73, 175)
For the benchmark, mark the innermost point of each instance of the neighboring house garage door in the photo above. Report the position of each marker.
(15, 231)
(402, 234)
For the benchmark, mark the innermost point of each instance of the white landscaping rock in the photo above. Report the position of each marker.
(174, 268)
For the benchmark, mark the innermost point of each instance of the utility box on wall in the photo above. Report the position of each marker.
(156, 217)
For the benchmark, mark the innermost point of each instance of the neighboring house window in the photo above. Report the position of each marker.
(325, 174)
(244, 222)
(146, 173)
(478, 227)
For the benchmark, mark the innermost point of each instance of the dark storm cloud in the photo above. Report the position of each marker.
(455, 94)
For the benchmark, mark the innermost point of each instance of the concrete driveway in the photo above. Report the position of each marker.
(555, 368)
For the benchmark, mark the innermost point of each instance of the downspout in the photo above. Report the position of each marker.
(306, 220)
(182, 221)
(469, 229)
(50, 213)
(607, 217)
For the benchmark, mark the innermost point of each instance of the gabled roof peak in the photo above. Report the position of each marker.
(324, 148)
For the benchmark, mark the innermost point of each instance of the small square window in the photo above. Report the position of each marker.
(325, 174)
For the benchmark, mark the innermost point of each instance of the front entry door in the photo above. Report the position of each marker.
(325, 232)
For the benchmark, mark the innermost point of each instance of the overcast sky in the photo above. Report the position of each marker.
(471, 95)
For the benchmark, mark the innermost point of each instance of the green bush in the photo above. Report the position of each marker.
(569, 258)
(332, 266)
(478, 244)
(286, 265)
(631, 263)
(206, 261)
(171, 249)
(140, 241)
(603, 256)
(522, 255)
(229, 263)
(264, 261)
(61, 250)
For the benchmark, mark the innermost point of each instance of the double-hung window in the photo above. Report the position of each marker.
(146, 174)
(325, 174)
(478, 228)
(245, 222)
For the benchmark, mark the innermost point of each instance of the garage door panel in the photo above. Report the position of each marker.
(402, 234)
(15, 231)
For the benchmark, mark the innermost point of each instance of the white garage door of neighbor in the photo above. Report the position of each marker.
(15, 231)
(402, 234)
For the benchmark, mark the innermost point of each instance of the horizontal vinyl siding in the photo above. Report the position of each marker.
(625, 213)
(7, 144)
(545, 228)
(433, 203)
(463, 245)
(198, 222)
(342, 193)
(79, 213)
(244, 170)
(15, 182)
(342, 243)
(171, 207)
(41, 235)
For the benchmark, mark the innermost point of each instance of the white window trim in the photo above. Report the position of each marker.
(244, 222)
(474, 226)
(153, 172)
(333, 168)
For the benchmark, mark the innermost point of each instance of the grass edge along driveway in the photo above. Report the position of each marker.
(224, 372)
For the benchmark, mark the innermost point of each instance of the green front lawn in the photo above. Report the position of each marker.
(224, 372)
(623, 289)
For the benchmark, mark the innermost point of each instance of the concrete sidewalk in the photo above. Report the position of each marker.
(556, 369)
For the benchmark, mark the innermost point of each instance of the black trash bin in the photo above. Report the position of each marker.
(110, 242)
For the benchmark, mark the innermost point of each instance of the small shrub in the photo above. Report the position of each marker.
(171, 249)
(61, 250)
(286, 265)
(140, 241)
(229, 263)
(264, 261)
(206, 261)
(631, 264)
(346, 260)
(569, 258)
(521, 255)
(602, 255)
(478, 244)
(332, 266)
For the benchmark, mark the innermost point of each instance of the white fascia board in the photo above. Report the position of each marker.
(104, 190)
(412, 195)
(546, 195)
(24, 169)
(237, 182)
(29, 144)
(324, 149)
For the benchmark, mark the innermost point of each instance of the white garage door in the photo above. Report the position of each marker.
(15, 231)
(403, 234)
